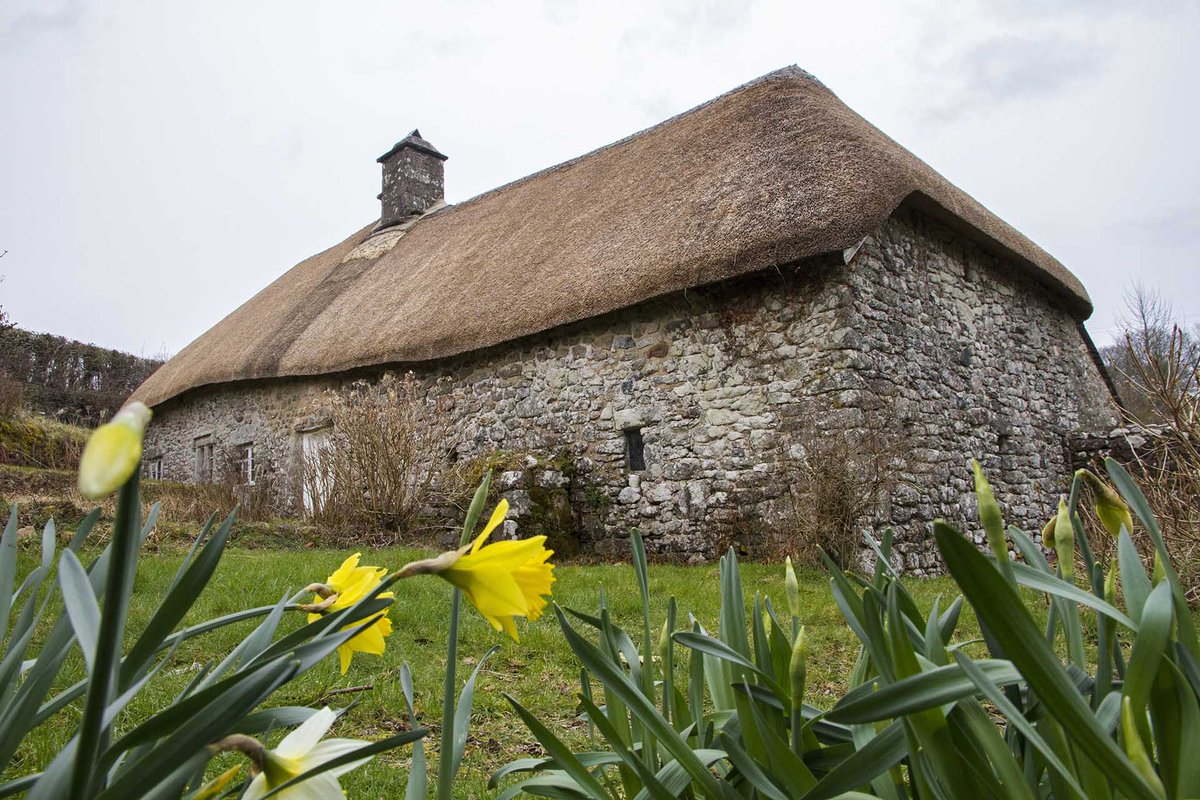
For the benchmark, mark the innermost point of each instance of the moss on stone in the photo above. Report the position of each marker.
(596, 498)
(496, 461)
(550, 514)
(552, 517)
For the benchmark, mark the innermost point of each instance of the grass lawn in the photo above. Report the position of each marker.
(539, 671)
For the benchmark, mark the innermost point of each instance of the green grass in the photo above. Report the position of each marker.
(539, 671)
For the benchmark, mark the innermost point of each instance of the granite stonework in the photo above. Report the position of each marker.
(923, 335)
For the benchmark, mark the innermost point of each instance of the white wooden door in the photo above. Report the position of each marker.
(315, 473)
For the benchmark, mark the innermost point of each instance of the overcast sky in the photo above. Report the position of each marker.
(163, 161)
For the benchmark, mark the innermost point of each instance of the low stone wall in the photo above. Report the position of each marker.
(1134, 446)
(949, 352)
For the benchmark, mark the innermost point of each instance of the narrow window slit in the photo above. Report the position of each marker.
(635, 450)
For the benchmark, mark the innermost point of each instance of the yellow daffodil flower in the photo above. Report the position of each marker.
(345, 587)
(300, 751)
(113, 452)
(503, 580)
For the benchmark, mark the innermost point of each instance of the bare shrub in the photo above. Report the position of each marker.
(830, 491)
(1151, 362)
(255, 493)
(255, 497)
(383, 460)
(1161, 363)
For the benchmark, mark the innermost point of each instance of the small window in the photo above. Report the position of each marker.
(635, 450)
(154, 468)
(204, 461)
(245, 464)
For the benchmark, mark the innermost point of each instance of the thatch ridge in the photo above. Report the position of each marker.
(770, 173)
(793, 71)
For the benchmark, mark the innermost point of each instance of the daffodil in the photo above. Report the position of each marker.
(989, 513)
(300, 751)
(113, 452)
(1048, 532)
(798, 667)
(503, 580)
(792, 586)
(1135, 748)
(1110, 508)
(345, 587)
(1064, 540)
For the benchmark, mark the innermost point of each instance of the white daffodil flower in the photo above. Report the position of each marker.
(300, 751)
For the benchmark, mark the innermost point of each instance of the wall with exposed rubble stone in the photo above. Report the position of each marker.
(946, 350)
(965, 356)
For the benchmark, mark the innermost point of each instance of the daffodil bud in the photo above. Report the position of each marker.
(989, 514)
(792, 585)
(664, 644)
(1110, 508)
(1159, 573)
(1064, 540)
(113, 452)
(1048, 532)
(1110, 585)
(1135, 748)
(798, 669)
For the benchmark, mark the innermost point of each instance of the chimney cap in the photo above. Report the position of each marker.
(417, 143)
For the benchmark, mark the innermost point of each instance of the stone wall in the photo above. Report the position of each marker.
(965, 356)
(1129, 445)
(948, 351)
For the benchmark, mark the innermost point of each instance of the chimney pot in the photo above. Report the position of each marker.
(413, 179)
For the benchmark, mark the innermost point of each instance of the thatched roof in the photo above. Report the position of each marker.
(774, 171)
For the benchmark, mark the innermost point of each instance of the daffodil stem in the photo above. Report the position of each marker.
(445, 783)
(122, 563)
(252, 748)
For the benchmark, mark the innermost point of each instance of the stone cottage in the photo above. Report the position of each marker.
(682, 312)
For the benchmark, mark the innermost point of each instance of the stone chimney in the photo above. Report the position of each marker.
(413, 179)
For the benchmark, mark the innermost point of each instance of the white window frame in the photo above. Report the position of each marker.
(246, 463)
(205, 459)
(154, 468)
